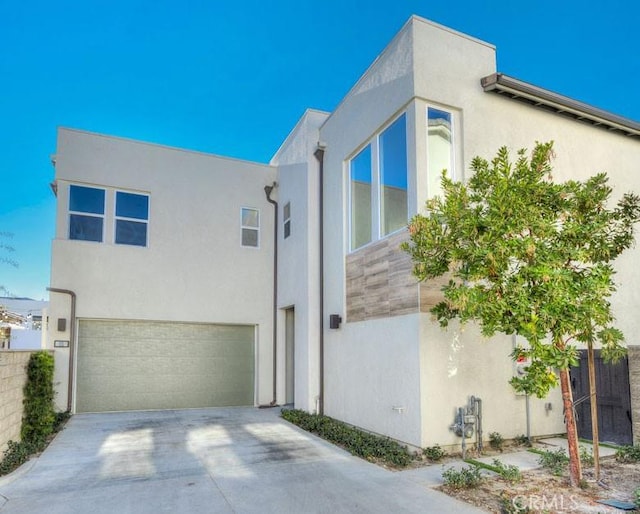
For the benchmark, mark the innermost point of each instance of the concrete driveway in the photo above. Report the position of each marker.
(209, 460)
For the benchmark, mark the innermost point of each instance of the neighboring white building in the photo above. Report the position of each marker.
(26, 325)
(163, 280)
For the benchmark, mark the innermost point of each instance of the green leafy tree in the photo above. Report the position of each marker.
(531, 257)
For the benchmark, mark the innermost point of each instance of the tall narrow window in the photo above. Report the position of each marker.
(132, 217)
(439, 149)
(393, 176)
(86, 213)
(360, 198)
(250, 227)
(286, 215)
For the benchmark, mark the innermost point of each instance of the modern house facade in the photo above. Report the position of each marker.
(185, 280)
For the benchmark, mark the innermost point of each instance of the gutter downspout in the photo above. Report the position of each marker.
(72, 342)
(267, 191)
(319, 154)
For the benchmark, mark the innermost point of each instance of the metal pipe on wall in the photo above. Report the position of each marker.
(72, 343)
(267, 191)
(319, 155)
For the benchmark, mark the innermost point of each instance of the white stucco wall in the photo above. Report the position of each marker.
(298, 257)
(26, 339)
(458, 363)
(373, 376)
(193, 269)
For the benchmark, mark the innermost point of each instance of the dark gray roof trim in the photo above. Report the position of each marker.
(548, 100)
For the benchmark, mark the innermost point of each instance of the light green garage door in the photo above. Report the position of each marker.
(139, 365)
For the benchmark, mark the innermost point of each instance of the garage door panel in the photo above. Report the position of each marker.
(131, 365)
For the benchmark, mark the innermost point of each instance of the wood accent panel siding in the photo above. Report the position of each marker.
(379, 281)
(431, 292)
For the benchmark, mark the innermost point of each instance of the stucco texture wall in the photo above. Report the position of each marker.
(458, 363)
(13, 377)
(298, 259)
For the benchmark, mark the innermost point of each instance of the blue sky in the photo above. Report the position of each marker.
(232, 78)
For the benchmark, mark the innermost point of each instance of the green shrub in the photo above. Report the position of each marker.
(522, 440)
(555, 461)
(466, 478)
(586, 456)
(628, 453)
(509, 472)
(39, 415)
(357, 442)
(636, 497)
(496, 441)
(15, 455)
(61, 419)
(433, 453)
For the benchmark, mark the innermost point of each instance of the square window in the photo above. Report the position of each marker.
(130, 205)
(249, 237)
(131, 233)
(85, 228)
(132, 218)
(250, 227)
(86, 199)
(86, 213)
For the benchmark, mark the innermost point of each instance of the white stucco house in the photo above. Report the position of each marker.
(181, 279)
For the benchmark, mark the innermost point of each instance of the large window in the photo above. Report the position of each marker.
(393, 177)
(127, 223)
(86, 213)
(360, 189)
(132, 216)
(250, 227)
(439, 149)
(378, 186)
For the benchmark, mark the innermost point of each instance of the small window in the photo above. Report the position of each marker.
(132, 217)
(250, 227)
(287, 219)
(439, 149)
(86, 213)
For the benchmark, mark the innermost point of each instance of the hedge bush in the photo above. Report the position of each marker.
(39, 414)
(357, 442)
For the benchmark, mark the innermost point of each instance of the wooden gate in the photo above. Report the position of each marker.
(614, 399)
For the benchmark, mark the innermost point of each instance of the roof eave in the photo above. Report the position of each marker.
(539, 97)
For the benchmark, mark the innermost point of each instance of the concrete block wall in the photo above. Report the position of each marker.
(634, 386)
(13, 376)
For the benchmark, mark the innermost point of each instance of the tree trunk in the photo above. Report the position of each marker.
(593, 400)
(575, 471)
